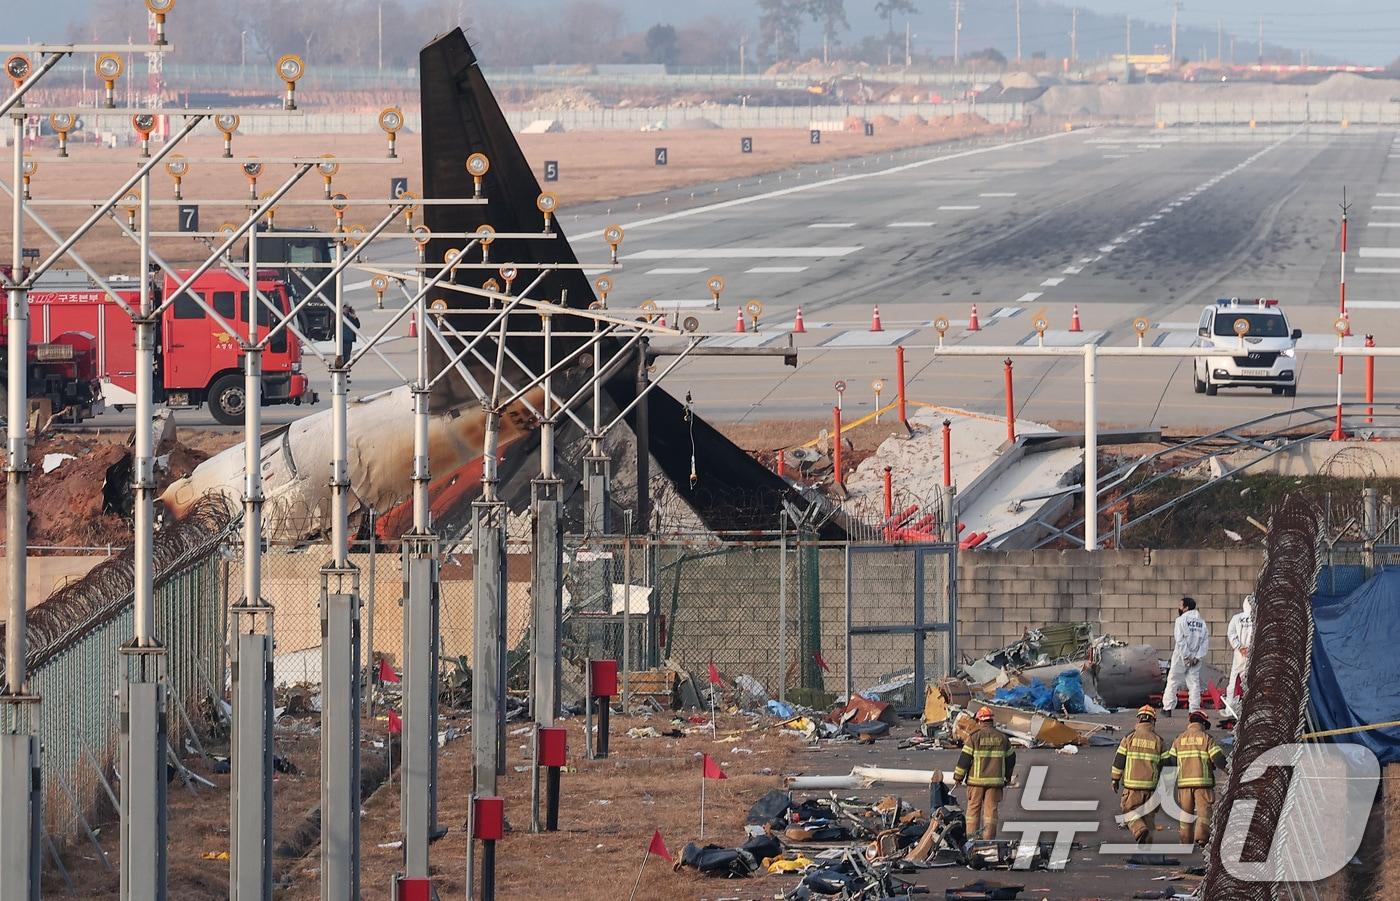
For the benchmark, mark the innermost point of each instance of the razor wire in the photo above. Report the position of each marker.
(108, 586)
(1275, 705)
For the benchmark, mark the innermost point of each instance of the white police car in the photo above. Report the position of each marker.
(1249, 345)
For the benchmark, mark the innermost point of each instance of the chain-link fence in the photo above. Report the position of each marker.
(800, 617)
(291, 584)
(78, 676)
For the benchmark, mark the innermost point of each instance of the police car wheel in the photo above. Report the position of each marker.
(1276, 391)
(1197, 385)
(1290, 391)
(1211, 388)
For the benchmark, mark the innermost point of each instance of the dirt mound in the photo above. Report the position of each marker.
(854, 123)
(1019, 80)
(84, 498)
(913, 120)
(565, 98)
(883, 121)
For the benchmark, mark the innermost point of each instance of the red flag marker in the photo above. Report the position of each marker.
(714, 675)
(395, 724)
(821, 661)
(386, 672)
(658, 846)
(712, 769)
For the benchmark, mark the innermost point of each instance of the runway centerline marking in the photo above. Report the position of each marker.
(676, 270)
(832, 225)
(775, 269)
(963, 207)
(1029, 297)
(1051, 282)
(910, 224)
(998, 194)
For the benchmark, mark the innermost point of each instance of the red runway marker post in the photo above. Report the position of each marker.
(602, 679)
(552, 754)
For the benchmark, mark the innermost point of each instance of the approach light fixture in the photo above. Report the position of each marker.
(227, 123)
(131, 202)
(144, 124)
(547, 203)
(251, 170)
(477, 167)
(391, 120)
(613, 235)
(339, 203)
(715, 283)
(177, 167)
(160, 9)
(290, 68)
(328, 167)
(18, 68)
(109, 68)
(410, 202)
(62, 124)
(603, 285)
(485, 235)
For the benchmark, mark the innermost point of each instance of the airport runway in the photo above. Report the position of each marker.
(1124, 223)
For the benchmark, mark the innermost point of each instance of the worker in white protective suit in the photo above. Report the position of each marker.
(1190, 642)
(1241, 635)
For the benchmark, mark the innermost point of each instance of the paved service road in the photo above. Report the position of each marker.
(1124, 223)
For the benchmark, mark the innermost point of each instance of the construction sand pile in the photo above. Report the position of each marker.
(917, 462)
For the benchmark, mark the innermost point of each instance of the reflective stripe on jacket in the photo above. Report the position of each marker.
(987, 759)
(1195, 754)
(1138, 762)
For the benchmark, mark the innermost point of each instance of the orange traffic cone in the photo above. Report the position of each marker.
(413, 325)
(739, 321)
(875, 325)
(972, 324)
(1074, 325)
(798, 326)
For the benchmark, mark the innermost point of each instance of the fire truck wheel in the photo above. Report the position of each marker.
(227, 399)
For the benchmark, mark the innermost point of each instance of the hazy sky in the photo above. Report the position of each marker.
(1366, 31)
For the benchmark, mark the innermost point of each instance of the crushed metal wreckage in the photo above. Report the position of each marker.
(1112, 673)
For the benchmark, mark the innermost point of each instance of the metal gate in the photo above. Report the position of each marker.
(901, 619)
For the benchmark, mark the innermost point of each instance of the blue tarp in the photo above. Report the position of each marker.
(1355, 677)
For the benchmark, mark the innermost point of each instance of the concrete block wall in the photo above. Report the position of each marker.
(1129, 594)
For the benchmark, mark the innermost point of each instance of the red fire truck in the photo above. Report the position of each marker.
(198, 361)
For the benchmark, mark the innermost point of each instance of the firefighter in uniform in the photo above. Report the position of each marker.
(986, 763)
(1196, 756)
(1137, 767)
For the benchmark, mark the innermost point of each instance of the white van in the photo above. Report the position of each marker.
(1249, 345)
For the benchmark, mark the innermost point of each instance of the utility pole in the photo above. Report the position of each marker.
(381, 36)
(1261, 40)
(1074, 35)
(1219, 41)
(1176, 12)
(743, 41)
(957, 29)
(1018, 31)
(908, 46)
(1128, 39)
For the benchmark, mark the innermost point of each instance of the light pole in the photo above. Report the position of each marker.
(243, 49)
